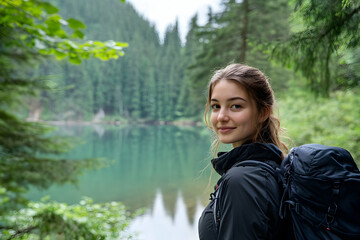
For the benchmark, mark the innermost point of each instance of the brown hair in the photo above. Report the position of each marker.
(260, 91)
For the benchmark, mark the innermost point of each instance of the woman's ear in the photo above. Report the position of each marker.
(264, 114)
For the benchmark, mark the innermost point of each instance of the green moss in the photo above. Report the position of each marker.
(331, 121)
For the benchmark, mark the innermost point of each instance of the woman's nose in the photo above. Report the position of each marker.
(223, 115)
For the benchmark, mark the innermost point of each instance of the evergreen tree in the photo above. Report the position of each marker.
(29, 31)
(241, 33)
(113, 85)
(347, 72)
(189, 95)
(328, 26)
(170, 73)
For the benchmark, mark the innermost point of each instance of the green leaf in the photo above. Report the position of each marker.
(60, 55)
(75, 24)
(99, 44)
(2, 190)
(53, 24)
(75, 60)
(61, 33)
(122, 44)
(45, 51)
(45, 198)
(78, 34)
(50, 9)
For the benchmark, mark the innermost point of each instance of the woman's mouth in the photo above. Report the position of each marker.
(225, 129)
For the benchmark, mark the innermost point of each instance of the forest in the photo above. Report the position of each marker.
(308, 49)
(77, 60)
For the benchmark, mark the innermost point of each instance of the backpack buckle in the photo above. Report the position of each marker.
(332, 209)
(298, 208)
(330, 217)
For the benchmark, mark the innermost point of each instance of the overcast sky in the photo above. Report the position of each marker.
(164, 12)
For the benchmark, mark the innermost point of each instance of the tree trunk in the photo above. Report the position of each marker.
(244, 31)
(35, 110)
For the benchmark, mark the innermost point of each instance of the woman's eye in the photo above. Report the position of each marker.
(215, 106)
(236, 106)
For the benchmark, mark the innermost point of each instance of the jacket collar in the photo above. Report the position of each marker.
(252, 151)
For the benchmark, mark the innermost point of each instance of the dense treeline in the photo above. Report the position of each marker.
(241, 32)
(309, 49)
(159, 80)
(165, 80)
(143, 85)
(31, 31)
(318, 43)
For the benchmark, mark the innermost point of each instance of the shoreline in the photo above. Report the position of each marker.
(120, 123)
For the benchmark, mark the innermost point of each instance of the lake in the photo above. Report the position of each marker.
(163, 169)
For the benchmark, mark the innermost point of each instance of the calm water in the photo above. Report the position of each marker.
(154, 167)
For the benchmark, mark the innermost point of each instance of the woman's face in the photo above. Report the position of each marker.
(234, 114)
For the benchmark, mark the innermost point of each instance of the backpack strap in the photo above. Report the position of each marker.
(285, 179)
(269, 165)
(216, 212)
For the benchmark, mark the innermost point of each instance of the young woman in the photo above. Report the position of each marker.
(240, 104)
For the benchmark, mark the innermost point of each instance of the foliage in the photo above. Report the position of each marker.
(39, 28)
(144, 85)
(171, 74)
(240, 33)
(159, 81)
(52, 220)
(165, 80)
(188, 94)
(20, 171)
(331, 121)
(29, 31)
(347, 73)
(328, 27)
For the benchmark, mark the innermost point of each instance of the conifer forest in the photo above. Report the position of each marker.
(102, 61)
(308, 49)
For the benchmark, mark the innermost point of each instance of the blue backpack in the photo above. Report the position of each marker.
(321, 193)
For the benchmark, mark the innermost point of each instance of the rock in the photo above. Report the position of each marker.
(99, 116)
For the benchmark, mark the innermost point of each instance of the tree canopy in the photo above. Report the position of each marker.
(30, 31)
(324, 28)
(159, 80)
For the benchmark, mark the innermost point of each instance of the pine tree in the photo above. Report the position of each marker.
(170, 73)
(241, 32)
(327, 26)
(188, 95)
(30, 31)
(110, 82)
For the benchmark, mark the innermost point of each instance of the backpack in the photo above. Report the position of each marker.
(321, 193)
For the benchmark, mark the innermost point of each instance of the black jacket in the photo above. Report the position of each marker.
(249, 197)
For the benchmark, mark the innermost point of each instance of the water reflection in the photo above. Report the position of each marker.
(153, 167)
(157, 223)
